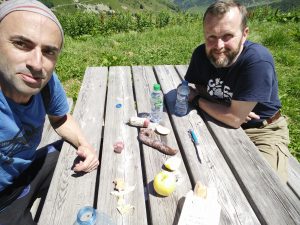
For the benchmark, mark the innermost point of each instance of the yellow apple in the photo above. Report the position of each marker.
(164, 183)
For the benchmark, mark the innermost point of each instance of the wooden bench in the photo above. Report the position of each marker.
(249, 191)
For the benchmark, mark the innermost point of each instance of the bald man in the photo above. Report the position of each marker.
(31, 39)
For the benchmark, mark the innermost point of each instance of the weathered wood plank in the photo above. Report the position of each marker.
(126, 165)
(163, 211)
(63, 200)
(213, 171)
(294, 176)
(260, 184)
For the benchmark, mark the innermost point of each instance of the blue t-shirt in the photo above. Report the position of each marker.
(251, 78)
(21, 129)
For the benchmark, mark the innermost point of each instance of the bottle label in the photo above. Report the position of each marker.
(158, 103)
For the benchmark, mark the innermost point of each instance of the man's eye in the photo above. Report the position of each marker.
(226, 37)
(20, 44)
(212, 39)
(50, 52)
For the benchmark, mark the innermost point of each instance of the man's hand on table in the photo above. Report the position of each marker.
(89, 159)
(193, 93)
(251, 116)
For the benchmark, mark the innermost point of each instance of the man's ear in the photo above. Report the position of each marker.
(245, 34)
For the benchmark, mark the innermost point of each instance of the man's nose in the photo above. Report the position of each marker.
(220, 43)
(35, 59)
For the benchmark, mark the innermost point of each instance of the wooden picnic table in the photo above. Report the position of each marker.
(249, 192)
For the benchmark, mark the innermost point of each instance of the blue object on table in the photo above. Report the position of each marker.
(194, 137)
(87, 215)
(196, 142)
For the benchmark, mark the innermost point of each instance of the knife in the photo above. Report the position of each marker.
(196, 143)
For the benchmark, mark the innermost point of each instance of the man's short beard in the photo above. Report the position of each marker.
(230, 57)
(223, 62)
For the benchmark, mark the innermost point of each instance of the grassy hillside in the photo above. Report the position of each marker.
(114, 5)
(200, 5)
(134, 6)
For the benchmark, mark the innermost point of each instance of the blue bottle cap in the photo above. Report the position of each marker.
(86, 216)
(185, 82)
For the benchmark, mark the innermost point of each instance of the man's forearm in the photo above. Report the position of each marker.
(70, 131)
(233, 115)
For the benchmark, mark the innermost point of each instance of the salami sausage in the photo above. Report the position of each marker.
(147, 136)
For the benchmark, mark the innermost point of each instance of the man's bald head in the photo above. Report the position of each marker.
(30, 6)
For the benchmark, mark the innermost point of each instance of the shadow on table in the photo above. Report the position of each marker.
(179, 204)
(178, 210)
(170, 100)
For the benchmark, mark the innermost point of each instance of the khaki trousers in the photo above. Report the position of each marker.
(272, 141)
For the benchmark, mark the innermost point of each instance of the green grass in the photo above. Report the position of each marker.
(174, 45)
(158, 46)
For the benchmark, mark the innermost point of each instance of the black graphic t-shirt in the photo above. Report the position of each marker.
(251, 78)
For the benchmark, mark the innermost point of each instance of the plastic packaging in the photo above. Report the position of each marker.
(156, 99)
(139, 122)
(89, 216)
(181, 105)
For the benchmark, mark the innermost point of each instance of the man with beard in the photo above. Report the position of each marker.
(31, 39)
(236, 82)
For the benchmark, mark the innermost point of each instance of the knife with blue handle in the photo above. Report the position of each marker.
(196, 142)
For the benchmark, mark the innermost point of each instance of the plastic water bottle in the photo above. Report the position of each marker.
(89, 216)
(156, 99)
(181, 105)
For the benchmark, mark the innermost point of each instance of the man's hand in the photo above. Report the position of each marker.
(193, 93)
(251, 116)
(90, 159)
(70, 131)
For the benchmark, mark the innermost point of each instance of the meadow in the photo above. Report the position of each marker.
(165, 38)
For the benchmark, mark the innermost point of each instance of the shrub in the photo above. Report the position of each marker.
(271, 14)
(84, 23)
(79, 23)
(162, 19)
(143, 21)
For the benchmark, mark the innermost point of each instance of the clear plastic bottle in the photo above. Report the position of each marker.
(156, 100)
(89, 216)
(181, 105)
